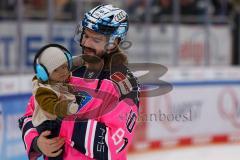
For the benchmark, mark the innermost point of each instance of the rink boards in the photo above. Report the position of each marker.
(203, 107)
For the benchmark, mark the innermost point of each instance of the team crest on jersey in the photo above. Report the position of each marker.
(83, 98)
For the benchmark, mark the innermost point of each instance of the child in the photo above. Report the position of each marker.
(52, 97)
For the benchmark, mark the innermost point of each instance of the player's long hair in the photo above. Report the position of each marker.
(117, 57)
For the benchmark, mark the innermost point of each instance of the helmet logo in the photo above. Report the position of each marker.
(101, 11)
(120, 16)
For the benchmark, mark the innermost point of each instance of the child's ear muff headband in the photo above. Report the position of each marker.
(40, 70)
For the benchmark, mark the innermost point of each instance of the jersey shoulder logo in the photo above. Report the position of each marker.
(122, 82)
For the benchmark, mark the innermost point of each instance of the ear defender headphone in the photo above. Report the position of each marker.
(40, 70)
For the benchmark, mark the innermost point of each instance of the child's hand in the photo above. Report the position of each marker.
(73, 108)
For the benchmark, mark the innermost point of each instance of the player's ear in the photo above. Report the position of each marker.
(112, 47)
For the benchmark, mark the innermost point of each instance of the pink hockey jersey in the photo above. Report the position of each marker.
(102, 129)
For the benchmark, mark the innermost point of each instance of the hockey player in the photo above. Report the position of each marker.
(105, 136)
